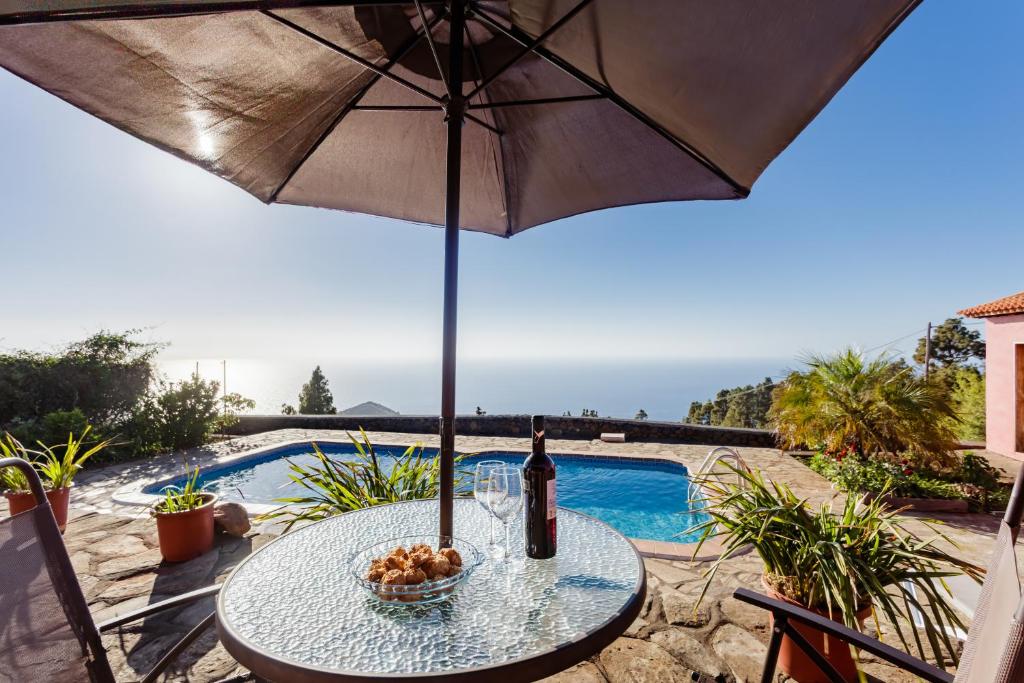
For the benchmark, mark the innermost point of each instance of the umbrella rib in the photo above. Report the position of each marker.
(135, 10)
(499, 168)
(483, 17)
(433, 47)
(402, 107)
(540, 100)
(530, 47)
(351, 104)
(366, 64)
(395, 107)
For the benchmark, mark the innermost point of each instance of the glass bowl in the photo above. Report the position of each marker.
(419, 594)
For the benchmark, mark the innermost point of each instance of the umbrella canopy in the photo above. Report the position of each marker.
(552, 107)
(660, 99)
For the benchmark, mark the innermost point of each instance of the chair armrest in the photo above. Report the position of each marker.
(890, 654)
(170, 603)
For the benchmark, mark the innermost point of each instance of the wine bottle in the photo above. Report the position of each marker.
(541, 502)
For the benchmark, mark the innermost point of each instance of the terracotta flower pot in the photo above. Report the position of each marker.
(24, 500)
(798, 665)
(185, 535)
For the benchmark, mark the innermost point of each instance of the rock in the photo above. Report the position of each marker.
(94, 522)
(637, 661)
(581, 673)
(652, 606)
(215, 665)
(636, 629)
(231, 518)
(742, 652)
(80, 562)
(74, 542)
(142, 527)
(668, 573)
(119, 545)
(131, 587)
(192, 614)
(147, 652)
(120, 567)
(681, 610)
(691, 652)
(744, 615)
(181, 577)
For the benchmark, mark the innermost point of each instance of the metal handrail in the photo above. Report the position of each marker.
(715, 456)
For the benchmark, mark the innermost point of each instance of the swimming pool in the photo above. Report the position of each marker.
(641, 498)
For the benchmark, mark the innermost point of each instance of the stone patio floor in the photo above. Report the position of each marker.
(115, 555)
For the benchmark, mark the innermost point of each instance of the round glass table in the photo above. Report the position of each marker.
(291, 612)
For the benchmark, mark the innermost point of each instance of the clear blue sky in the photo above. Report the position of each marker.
(899, 204)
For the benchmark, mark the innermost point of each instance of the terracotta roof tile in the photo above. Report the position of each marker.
(1009, 305)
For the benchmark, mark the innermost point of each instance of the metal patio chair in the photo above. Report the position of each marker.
(993, 653)
(46, 630)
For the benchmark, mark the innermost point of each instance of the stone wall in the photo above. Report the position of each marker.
(585, 428)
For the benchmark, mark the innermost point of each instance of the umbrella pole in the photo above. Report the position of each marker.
(453, 178)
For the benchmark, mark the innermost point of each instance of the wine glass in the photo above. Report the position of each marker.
(484, 468)
(505, 496)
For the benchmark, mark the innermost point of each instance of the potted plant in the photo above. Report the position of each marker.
(846, 565)
(56, 469)
(184, 519)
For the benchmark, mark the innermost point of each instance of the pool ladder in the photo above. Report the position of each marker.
(707, 468)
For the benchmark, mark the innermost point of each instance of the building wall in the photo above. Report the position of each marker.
(1002, 334)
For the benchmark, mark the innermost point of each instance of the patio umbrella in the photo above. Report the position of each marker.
(485, 115)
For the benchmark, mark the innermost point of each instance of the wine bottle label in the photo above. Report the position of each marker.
(552, 503)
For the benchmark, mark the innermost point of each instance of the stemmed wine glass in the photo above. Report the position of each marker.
(484, 469)
(505, 496)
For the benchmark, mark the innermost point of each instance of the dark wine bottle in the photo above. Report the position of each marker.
(541, 502)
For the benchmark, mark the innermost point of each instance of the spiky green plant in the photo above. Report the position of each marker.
(876, 405)
(58, 468)
(838, 562)
(335, 486)
(183, 498)
(11, 479)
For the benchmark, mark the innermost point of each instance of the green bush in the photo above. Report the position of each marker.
(109, 381)
(971, 478)
(104, 376)
(187, 412)
(877, 405)
(967, 391)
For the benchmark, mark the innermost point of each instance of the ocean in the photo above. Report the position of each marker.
(663, 388)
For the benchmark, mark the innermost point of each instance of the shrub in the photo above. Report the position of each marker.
(967, 392)
(970, 478)
(187, 412)
(876, 405)
(104, 376)
(109, 381)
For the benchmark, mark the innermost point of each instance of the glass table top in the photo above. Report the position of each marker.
(295, 600)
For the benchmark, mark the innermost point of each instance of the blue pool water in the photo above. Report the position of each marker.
(642, 499)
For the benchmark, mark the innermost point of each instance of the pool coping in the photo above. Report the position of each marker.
(134, 495)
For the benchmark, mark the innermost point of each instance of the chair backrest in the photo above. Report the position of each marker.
(994, 651)
(46, 630)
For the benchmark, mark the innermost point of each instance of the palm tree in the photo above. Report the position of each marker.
(875, 405)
